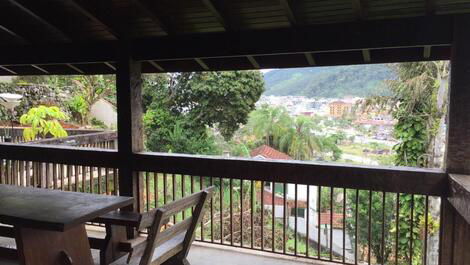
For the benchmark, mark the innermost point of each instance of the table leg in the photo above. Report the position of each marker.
(41, 247)
(110, 251)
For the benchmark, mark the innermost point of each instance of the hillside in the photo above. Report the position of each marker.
(332, 82)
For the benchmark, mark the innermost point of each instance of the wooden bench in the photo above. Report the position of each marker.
(169, 246)
(8, 256)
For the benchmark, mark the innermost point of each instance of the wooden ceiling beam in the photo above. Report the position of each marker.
(87, 11)
(13, 34)
(360, 8)
(427, 52)
(78, 70)
(110, 66)
(202, 64)
(217, 10)
(430, 7)
(40, 69)
(253, 62)
(146, 8)
(6, 69)
(310, 59)
(366, 55)
(28, 10)
(157, 66)
(287, 5)
(435, 31)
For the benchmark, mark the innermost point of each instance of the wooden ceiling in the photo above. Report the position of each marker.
(86, 36)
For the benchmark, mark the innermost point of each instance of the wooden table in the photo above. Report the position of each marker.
(50, 224)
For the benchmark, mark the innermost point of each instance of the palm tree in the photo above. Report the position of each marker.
(299, 141)
(270, 123)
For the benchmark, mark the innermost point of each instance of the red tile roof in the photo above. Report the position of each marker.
(269, 153)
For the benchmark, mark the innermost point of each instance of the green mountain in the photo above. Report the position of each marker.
(330, 82)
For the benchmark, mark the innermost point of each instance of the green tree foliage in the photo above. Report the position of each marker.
(381, 213)
(269, 124)
(299, 141)
(43, 121)
(330, 82)
(84, 91)
(183, 110)
(414, 103)
(295, 136)
(88, 89)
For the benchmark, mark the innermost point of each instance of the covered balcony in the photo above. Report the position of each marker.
(295, 223)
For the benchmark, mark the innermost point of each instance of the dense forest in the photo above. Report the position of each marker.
(331, 82)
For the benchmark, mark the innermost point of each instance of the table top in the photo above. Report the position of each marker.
(51, 209)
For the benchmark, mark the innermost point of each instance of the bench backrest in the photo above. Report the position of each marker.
(177, 238)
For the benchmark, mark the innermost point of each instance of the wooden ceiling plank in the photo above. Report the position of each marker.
(145, 7)
(40, 69)
(15, 35)
(27, 10)
(202, 64)
(217, 10)
(86, 11)
(253, 62)
(157, 66)
(288, 9)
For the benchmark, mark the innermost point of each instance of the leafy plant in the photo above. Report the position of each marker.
(78, 107)
(44, 121)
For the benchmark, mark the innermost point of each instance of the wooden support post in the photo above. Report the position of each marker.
(130, 130)
(454, 248)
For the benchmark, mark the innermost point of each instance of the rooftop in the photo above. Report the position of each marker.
(268, 152)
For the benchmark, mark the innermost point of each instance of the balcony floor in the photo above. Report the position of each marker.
(208, 254)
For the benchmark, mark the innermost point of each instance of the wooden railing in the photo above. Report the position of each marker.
(17, 133)
(340, 213)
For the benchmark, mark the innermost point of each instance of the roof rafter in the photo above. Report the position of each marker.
(40, 69)
(253, 62)
(288, 9)
(145, 7)
(373, 35)
(15, 35)
(156, 65)
(366, 55)
(310, 59)
(4, 68)
(216, 9)
(87, 11)
(78, 70)
(27, 10)
(427, 51)
(202, 64)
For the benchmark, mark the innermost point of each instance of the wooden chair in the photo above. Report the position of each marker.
(170, 245)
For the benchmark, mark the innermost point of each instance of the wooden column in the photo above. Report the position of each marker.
(130, 130)
(454, 236)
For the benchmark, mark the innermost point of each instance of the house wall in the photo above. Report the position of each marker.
(104, 111)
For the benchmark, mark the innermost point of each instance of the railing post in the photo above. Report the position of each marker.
(130, 133)
(457, 161)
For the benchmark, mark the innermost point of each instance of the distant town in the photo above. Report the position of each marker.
(368, 134)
